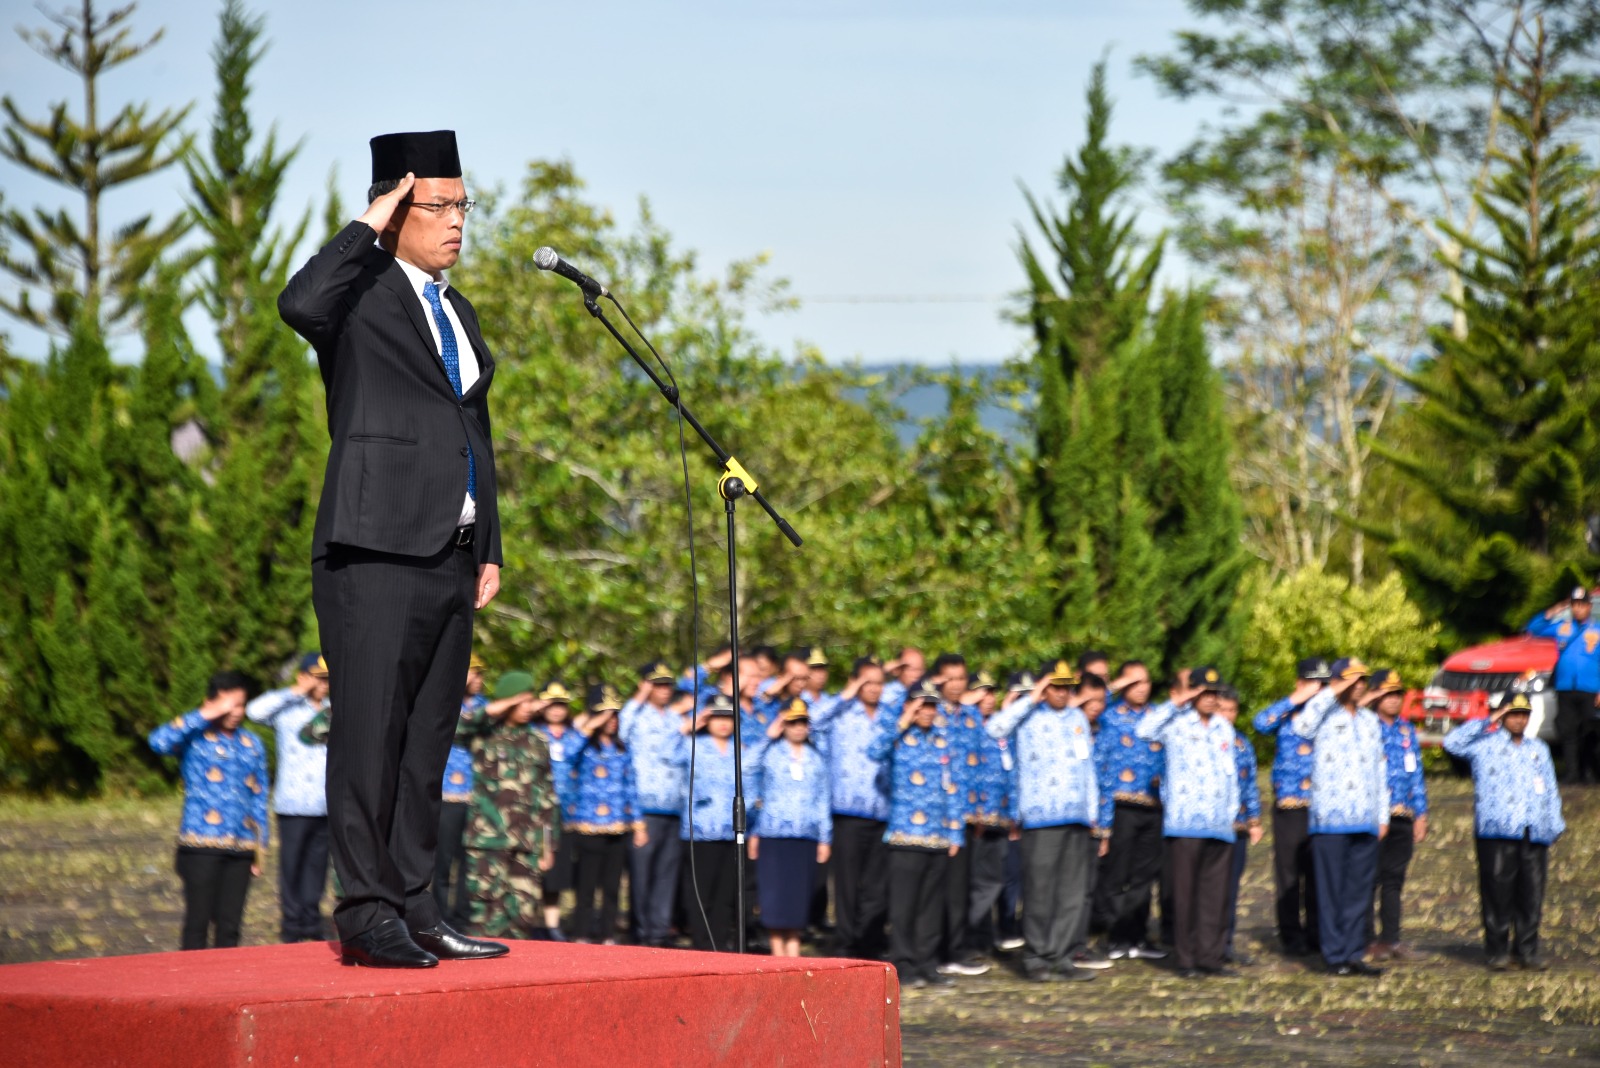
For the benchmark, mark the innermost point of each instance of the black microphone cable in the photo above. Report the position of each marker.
(694, 584)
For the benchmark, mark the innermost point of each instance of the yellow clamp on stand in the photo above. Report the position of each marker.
(734, 469)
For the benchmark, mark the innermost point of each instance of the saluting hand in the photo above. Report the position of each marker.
(1303, 691)
(381, 211)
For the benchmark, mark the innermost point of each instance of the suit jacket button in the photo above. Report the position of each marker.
(464, 450)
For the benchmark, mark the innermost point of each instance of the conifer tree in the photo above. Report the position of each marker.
(1504, 459)
(71, 263)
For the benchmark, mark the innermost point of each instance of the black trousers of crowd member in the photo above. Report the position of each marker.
(302, 875)
(600, 859)
(1011, 896)
(1199, 870)
(654, 873)
(1236, 865)
(917, 894)
(1294, 877)
(397, 635)
(1057, 863)
(450, 864)
(215, 884)
(1576, 735)
(715, 867)
(860, 883)
(957, 903)
(1347, 870)
(987, 848)
(1511, 881)
(1394, 857)
(1130, 870)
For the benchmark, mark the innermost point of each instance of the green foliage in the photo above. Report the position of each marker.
(1311, 613)
(1504, 455)
(70, 263)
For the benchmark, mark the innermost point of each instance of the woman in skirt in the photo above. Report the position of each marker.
(791, 832)
(564, 741)
(603, 817)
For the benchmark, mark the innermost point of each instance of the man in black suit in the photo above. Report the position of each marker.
(407, 539)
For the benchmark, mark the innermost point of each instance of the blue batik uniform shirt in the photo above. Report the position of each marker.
(653, 737)
(1350, 779)
(925, 809)
(1579, 665)
(600, 785)
(965, 727)
(1244, 759)
(561, 753)
(712, 804)
(793, 787)
(1408, 793)
(1128, 768)
(1200, 782)
(458, 766)
(1293, 756)
(224, 783)
(858, 783)
(301, 789)
(1513, 784)
(1054, 753)
(992, 789)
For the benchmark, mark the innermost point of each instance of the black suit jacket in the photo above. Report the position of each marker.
(397, 469)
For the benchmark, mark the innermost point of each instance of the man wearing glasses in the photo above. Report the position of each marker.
(407, 539)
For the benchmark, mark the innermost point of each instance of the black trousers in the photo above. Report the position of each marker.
(987, 848)
(599, 859)
(1236, 865)
(450, 858)
(1575, 728)
(860, 886)
(1199, 870)
(1347, 870)
(957, 903)
(1056, 867)
(1511, 880)
(302, 874)
(397, 635)
(1130, 870)
(917, 906)
(1294, 877)
(1394, 857)
(714, 865)
(214, 888)
(653, 876)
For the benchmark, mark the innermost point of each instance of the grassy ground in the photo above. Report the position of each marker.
(90, 880)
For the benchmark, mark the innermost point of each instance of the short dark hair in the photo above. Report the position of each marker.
(769, 652)
(948, 660)
(223, 681)
(1129, 665)
(1091, 656)
(1091, 681)
(377, 189)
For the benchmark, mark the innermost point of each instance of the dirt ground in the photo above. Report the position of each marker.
(81, 880)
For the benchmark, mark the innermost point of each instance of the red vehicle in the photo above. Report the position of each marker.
(1473, 681)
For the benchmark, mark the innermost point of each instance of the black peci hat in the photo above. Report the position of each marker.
(1314, 669)
(424, 155)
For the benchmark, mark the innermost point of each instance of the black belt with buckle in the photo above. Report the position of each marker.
(463, 537)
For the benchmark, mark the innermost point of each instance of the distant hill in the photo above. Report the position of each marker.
(928, 402)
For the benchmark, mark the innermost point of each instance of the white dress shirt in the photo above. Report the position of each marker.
(467, 359)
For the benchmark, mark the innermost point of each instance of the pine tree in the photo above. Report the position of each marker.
(1090, 300)
(267, 435)
(68, 263)
(1505, 459)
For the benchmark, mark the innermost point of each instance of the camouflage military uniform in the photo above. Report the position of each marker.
(512, 820)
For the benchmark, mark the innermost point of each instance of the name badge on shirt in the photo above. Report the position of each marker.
(796, 772)
(1080, 746)
(1005, 760)
(1410, 763)
(1538, 786)
(557, 754)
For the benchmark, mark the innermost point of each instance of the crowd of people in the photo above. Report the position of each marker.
(938, 817)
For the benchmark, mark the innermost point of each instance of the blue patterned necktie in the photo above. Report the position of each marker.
(452, 367)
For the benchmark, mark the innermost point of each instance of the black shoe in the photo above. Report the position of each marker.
(1042, 975)
(387, 945)
(1500, 964)
(1533, 964)
(1343, 971)
(1295, 948)
(1362, 968)
(1221, 973)
(446, 943)
(1071, 973)
(1189, 973)
(934, 978)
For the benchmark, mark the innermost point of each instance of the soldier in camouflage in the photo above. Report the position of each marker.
(513, 820)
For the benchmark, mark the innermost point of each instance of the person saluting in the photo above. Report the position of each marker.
(407, 538)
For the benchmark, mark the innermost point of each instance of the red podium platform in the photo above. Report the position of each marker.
(545, 1004)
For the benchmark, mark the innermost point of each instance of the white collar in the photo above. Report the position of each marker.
(419, 278)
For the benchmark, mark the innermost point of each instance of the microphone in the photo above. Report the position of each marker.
(546, 260)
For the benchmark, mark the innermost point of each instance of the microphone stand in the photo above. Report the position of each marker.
(735, 482)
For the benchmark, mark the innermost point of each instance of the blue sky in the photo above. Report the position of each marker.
(873, 150)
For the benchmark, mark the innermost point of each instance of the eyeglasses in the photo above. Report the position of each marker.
(444, 208)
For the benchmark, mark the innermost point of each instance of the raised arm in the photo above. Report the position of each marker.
(1005, 721)
(1153, 724)
(1465, 739)
(265, 709)
(1316, 714)
(171, 739)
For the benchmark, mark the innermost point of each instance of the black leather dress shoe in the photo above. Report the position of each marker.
(1365, 970)
(446, 943)
(387, 945)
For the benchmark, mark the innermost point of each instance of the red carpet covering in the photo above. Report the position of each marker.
(545, 1004)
